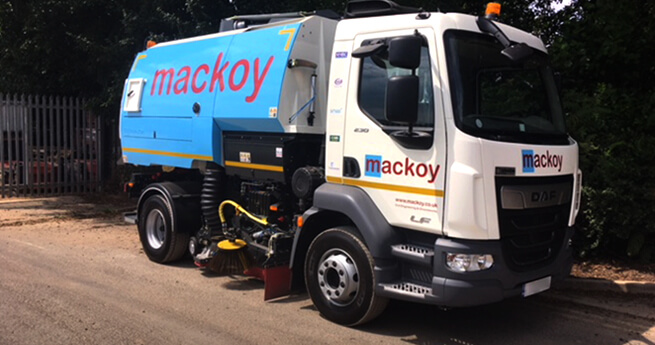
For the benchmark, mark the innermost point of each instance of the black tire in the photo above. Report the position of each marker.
(340, 278)
(160, 243)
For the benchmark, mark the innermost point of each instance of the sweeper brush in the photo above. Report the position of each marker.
(232, 257)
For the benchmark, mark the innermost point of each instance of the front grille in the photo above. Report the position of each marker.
(531, 237)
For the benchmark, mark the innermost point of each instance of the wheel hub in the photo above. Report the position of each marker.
(155, 228)
(193, 246)
(338, 277)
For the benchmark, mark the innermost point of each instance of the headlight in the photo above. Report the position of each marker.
(469, 262)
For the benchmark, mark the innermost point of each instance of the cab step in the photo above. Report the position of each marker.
(412, 253)
(408, 289)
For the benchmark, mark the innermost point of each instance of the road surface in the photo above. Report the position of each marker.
(73, 273)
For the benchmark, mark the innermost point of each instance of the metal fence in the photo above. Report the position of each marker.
(48, 146)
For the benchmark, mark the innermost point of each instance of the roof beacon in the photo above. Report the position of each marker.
(493, 11)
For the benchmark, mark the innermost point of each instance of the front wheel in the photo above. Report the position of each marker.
(340, 279)
(160, 243)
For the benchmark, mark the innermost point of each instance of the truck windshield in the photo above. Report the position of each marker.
(498, 99)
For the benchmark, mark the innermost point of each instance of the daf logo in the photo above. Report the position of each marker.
(525, 197)
(422, 220)
(543, 196)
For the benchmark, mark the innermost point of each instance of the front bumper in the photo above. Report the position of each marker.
(453, 289)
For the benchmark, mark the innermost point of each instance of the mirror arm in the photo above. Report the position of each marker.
(514, 52)
(486, 25)
(368, 50)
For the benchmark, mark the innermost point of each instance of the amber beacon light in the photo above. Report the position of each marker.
(493, 10)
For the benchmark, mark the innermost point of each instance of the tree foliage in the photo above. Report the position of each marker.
(85, 47)
(603, 48)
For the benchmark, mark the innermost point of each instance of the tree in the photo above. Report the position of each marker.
(85, 48)
(605, 51)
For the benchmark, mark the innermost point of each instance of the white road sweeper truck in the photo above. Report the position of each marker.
(389, 154)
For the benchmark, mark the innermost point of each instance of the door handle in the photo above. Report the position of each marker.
(351, 167)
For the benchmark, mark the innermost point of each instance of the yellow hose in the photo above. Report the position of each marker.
(239, 209)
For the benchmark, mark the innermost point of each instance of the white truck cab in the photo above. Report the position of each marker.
(485, 183)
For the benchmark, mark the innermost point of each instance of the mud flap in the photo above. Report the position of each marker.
(277, 280)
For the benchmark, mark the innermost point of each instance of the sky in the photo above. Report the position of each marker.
(557, 5)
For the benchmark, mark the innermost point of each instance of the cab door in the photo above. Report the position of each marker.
(402, 171)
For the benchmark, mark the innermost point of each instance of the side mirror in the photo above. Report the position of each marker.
(405, 51)
(517, 52)
(402, 99)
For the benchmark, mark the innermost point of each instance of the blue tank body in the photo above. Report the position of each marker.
(181, 96)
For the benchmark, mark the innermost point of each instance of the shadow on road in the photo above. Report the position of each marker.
(537, 320)
(514, 321)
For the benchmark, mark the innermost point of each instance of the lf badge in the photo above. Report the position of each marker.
(422, 220)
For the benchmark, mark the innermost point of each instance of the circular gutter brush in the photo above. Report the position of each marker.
(232, 257)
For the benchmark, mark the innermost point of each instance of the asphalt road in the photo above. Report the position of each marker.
(86, 281)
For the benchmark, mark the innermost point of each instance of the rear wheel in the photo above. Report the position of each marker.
(160, 243)
(340, 279)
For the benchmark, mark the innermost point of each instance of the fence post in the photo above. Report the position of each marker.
(27, 157)
(11, 135)
(3, 117)
(99, 152)
(40, 159)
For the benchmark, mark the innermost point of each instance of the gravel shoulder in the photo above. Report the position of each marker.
(615, 270)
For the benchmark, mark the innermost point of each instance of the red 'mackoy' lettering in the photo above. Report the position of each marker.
(237, 79)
